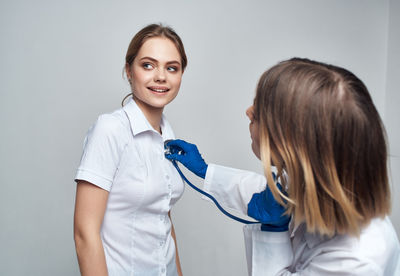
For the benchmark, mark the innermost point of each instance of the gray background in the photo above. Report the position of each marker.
(61, 66)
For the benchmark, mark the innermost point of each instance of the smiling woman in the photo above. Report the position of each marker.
(126, 187)
(155, 76)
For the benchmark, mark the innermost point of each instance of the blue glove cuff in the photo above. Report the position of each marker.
(273, 228)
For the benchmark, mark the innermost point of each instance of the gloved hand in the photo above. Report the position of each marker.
(188, 155)
(264, 208)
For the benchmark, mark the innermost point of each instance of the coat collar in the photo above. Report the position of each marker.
(312, 239)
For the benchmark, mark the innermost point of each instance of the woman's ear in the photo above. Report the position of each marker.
(128, 71)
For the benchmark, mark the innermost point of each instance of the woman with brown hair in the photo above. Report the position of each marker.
(322, 144)
(126, 187)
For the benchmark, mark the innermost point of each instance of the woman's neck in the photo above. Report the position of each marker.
(152, 114)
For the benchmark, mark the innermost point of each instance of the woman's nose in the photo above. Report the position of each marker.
(160, 75)
(249, 112)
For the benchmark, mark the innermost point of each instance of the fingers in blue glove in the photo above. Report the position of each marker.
(264, 208)
(179, 145)
(188, 155)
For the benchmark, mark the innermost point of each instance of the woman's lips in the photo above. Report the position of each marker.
(158, 89)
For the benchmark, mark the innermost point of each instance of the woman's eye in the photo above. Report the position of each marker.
(147, 66)
(172, 68)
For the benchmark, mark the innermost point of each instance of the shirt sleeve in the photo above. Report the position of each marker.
(231, 187)
(102, 148)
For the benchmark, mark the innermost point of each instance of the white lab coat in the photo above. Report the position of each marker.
(296, 252)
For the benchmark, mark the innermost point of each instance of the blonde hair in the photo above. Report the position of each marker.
(318, 125)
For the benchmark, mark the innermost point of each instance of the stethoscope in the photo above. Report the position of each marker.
(169, 151)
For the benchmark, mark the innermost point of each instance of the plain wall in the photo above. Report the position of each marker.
(391, 110)
(61, 66)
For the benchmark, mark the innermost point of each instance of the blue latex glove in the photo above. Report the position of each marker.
(188, 155)
(264, 208)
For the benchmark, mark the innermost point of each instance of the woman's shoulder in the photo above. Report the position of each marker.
(113, 124)
(375, 247)
(379, 238)
(374, 251)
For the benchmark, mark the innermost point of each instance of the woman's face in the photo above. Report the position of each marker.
(155, 73)
(254, 132)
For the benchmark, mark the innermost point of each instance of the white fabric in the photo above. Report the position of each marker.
(375, 252)
(229, 186)
(124, 155)
(260, 245)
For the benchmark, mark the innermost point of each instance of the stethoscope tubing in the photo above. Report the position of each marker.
(211, 197)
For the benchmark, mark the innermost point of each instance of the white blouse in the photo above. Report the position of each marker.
(296, 252)
(124, 155)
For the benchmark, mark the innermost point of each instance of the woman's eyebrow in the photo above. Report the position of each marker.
(174, 62)
(150, 58)
(156, 61)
